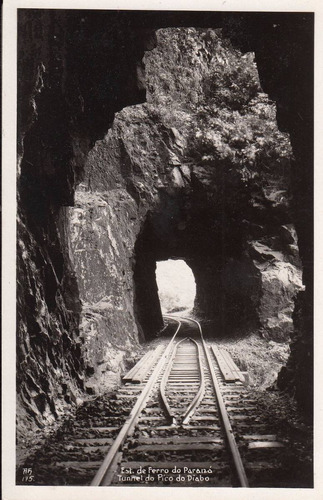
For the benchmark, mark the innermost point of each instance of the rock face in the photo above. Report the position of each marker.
(210, 176)
(61, 113)
(284, 48)
(102, 229)
(280, 281)
(163, 182)
(49, 360)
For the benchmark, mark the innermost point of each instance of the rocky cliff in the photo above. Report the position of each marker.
(208, 175)
(61, 113)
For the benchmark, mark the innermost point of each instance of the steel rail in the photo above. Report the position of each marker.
(199, 394)
(201, 391)
(102, 477)
(163, 383)
(224, 416)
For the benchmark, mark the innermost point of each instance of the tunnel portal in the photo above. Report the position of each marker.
(213, 244)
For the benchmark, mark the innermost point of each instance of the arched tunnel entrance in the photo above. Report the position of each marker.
(226, 279)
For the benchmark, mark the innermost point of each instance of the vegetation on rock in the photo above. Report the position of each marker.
(198, 83)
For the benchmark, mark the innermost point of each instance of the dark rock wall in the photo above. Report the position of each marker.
(101, 231)
(75, 70)
(284, 49)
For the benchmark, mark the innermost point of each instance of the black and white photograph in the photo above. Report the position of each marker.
(164, 251)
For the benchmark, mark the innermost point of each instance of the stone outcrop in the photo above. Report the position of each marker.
(102, 228)
(75, 70)
(284, 48)
(281, 280)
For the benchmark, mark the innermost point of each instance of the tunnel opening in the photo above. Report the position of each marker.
(176, 286)
(225, 290)
(222, 198)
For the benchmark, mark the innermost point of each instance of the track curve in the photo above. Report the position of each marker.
(172, 397)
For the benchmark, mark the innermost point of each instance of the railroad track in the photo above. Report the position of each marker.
(182, 418)
(178, 431)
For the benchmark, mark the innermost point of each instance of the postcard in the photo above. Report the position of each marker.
(159, 250)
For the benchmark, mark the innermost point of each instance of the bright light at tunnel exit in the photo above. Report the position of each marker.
(176, 286)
